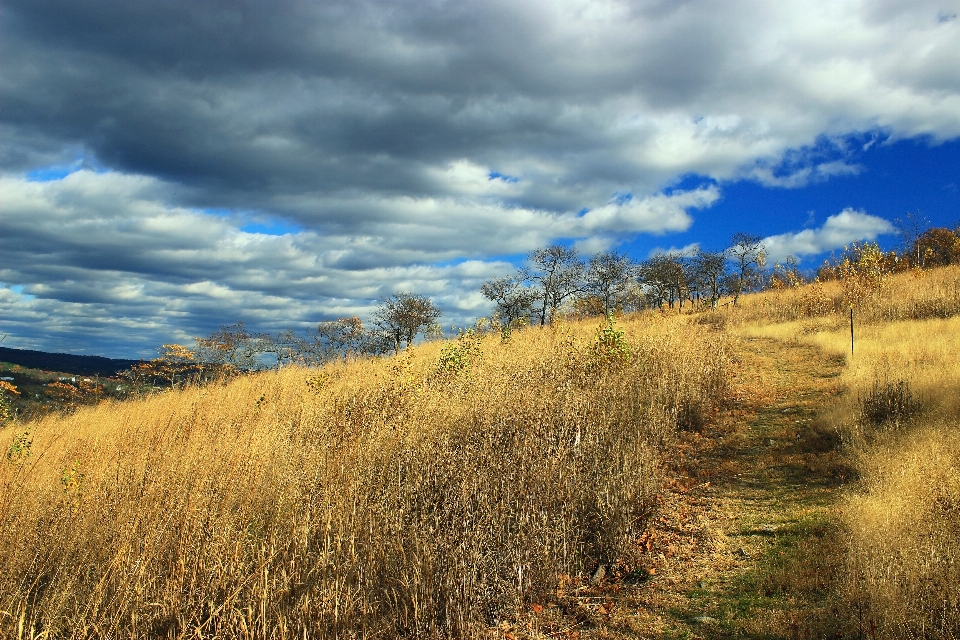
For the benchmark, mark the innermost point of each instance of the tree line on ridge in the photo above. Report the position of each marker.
(554, 280)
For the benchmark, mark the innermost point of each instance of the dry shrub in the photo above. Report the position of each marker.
(396, 497)
(904, 524)
(715, 319)
(889, 404)
(863, 274)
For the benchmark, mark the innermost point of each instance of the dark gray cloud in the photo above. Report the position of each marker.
(258, 99)
(371, 129)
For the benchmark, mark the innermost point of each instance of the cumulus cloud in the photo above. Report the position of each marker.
(656, 214)
(97, 258)
(263, 99)
(392, 140)
(838, 231)
(105, 245)
(685, 251)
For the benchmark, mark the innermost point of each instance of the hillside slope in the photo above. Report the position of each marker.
(736, 473)
(433, 493)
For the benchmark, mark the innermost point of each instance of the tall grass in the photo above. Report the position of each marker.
(380, 498)
(900, 424)
(904, 296)
(904, 522)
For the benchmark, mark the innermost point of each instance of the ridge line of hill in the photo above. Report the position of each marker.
(65, 362)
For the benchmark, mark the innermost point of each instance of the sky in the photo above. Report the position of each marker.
(171, 166)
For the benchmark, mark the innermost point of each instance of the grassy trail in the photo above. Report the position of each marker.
(745, 544)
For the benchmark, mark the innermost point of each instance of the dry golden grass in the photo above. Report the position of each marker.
(377, 498)
(903, 296)
(900, 423)
(904, 522)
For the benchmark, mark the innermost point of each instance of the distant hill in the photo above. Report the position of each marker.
(65, 362)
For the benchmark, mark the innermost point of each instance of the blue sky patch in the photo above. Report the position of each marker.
(51, 173)
(894, 178)
(18, 289)
(496, 175)
(272, 228)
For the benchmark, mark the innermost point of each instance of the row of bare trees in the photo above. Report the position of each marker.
(553, 278)
(556, 276)
(398, 320)
(610, 281)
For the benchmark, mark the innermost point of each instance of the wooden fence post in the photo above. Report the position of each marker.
(851, 330)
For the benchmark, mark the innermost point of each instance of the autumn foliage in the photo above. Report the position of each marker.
(6, 389)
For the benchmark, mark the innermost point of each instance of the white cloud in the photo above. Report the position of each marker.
(106, 246)
(686, 251)
(392, 138)
(594, 244)
(802, 176)
(838, 231)
(655, 214)
(463, 177)
(97, 261)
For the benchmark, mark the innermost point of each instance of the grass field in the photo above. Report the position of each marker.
(433, 493)
(733, 473)
(899, 423)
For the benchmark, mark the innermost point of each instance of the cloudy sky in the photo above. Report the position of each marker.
(170, 166)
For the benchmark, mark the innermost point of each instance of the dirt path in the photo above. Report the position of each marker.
(744, 543)
(761, 542)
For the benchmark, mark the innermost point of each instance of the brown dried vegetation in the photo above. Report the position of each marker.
(376, 498)
(899, 425)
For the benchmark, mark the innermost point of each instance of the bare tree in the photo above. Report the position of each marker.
(655, 286)
(229, 348)
(558, 272)
(404, 315)
(345, 337)
(665, 279)
(710, 269)
(910, 227)
(788, 274)
(748, 255)
(285, 346)
(937, 247)
(513, 298)
(609, 276)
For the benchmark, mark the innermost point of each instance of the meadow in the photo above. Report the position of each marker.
(899, 426)
(470, 482)
(434, 493)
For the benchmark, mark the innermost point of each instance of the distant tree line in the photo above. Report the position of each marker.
(556, 278)
(397, 322)
(921, 248)
(553, 280)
